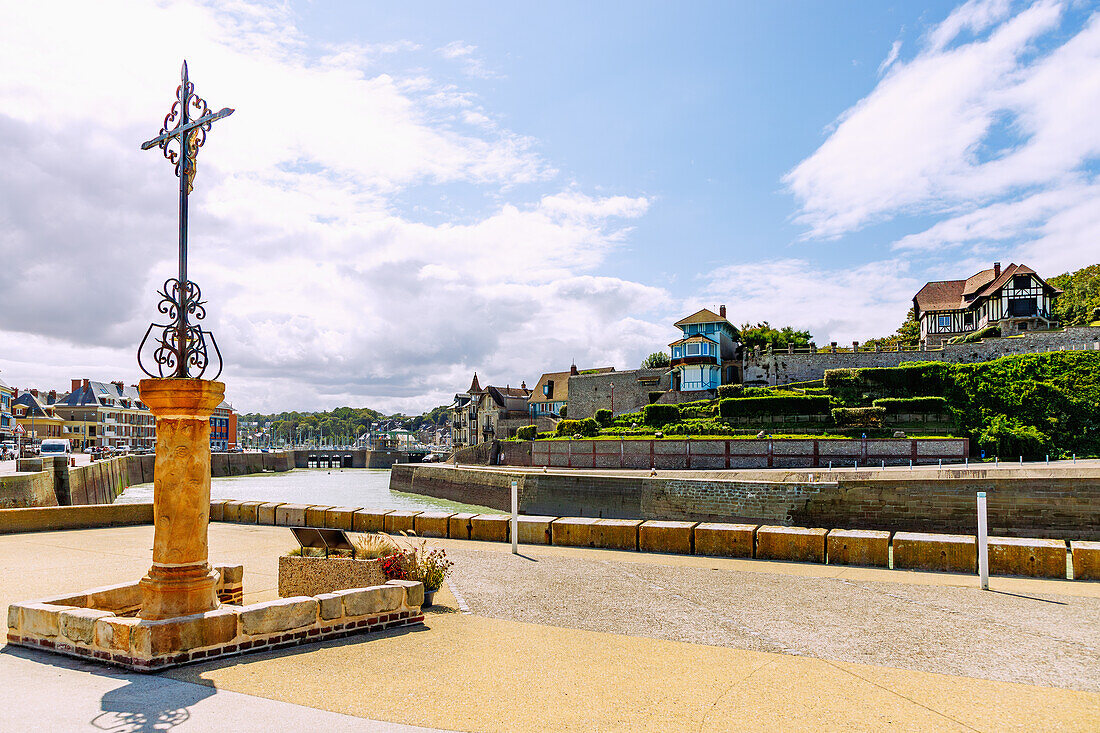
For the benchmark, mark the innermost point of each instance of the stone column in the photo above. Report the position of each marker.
(181, 581)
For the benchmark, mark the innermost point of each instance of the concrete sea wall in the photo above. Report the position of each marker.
(1055, 506)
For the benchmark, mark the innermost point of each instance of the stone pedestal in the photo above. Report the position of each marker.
(181, 581)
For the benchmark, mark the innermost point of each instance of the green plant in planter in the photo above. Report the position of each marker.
(418, 562)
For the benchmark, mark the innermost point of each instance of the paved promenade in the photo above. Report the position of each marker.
(573, 639)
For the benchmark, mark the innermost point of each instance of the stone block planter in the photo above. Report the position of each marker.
(312, 576)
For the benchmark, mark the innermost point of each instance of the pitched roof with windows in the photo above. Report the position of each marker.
(706, 315)
(944, 295)
(561, 384)
(697, 339)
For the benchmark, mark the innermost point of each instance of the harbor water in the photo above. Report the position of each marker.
(368, 488)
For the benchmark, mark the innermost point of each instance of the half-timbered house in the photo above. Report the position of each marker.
(1014, 299)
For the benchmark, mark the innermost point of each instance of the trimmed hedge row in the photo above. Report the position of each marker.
(858, 417)
(796, 404)
(527, 432)
(894, 405)
(659, 415)
(587, 428)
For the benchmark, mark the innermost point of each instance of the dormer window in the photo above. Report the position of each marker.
(1021, 282)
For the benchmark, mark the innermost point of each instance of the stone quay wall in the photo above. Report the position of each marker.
(1021, 504)
(42, 482)
(332, 458)
(778, 367)
(668, 453)
(591, 392)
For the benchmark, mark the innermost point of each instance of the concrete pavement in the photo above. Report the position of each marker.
(493, 670)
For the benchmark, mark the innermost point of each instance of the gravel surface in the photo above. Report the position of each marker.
(1031, 638)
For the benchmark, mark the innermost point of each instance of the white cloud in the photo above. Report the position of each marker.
(833, 303)
(465, 54)
(324, 289)
(959, 125)
(891, 57)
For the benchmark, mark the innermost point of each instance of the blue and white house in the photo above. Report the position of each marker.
(706, 356)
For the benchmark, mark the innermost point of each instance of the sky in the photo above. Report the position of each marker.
(411, 192)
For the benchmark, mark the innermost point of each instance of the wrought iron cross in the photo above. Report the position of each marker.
(182, 345)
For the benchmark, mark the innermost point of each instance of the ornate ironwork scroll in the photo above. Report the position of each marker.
(182, 349)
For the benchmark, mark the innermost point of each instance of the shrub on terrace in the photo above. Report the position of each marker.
(859, 417)
(603, 417)
(928, 405)
(587, 427)
(788, 404)
(527, 432)
(660, 415)
(727, 391)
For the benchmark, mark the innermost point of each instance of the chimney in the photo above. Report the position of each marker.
(34, 392)
(120, 384)
(573, 371)
(523, 384)
(87, 383)
(52, 397)
(76, 385)
(722, 311)
(996, 270)
(14, 394)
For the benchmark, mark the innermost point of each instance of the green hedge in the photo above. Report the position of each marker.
(907, 380)
(795, 404)
(727, 391)
(928, 405)
(527, 432)
(587, 428)
(603, 418)
(858, 417)
(658, 415)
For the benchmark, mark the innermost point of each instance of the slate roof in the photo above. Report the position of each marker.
(35, 406)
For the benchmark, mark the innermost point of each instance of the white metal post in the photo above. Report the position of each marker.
(983, 543)
(515, 517)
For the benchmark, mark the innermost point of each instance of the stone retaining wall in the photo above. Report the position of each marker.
(918, 551)
(1050, 505)
(783, 368)
(705, 453)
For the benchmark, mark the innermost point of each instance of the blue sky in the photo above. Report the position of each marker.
(410, 192)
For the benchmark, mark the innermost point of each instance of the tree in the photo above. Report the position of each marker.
(907, 335)
(656, 360)
(763, 335)
(1080, 298)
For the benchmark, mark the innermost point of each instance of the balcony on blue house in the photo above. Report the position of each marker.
(696, 364)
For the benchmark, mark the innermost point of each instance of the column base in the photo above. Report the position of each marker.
(170, 592)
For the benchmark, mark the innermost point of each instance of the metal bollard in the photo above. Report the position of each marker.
(983, 543)
(515, 517)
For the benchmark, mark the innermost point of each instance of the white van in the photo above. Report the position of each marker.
(55, 447)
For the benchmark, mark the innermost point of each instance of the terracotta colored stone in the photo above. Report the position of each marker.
(616, 534)
(315, 516)
(1086, 559)
(368, 520)
(458, 526)
(490, 527)
(168, 636)
(180, 582)
(231, 510)
(414, 591)
(399, 521)
(572, 531)
(658, 536)
(431, 524)
(800, 544)
(340, 517)
(952, 553)
(534, 530)
(368, 601)
(1031, 557)
(113, 632)
(724, 540)
(283, 614)
(248, 511)
(265, 513)
(859, 547)
(291, 515)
